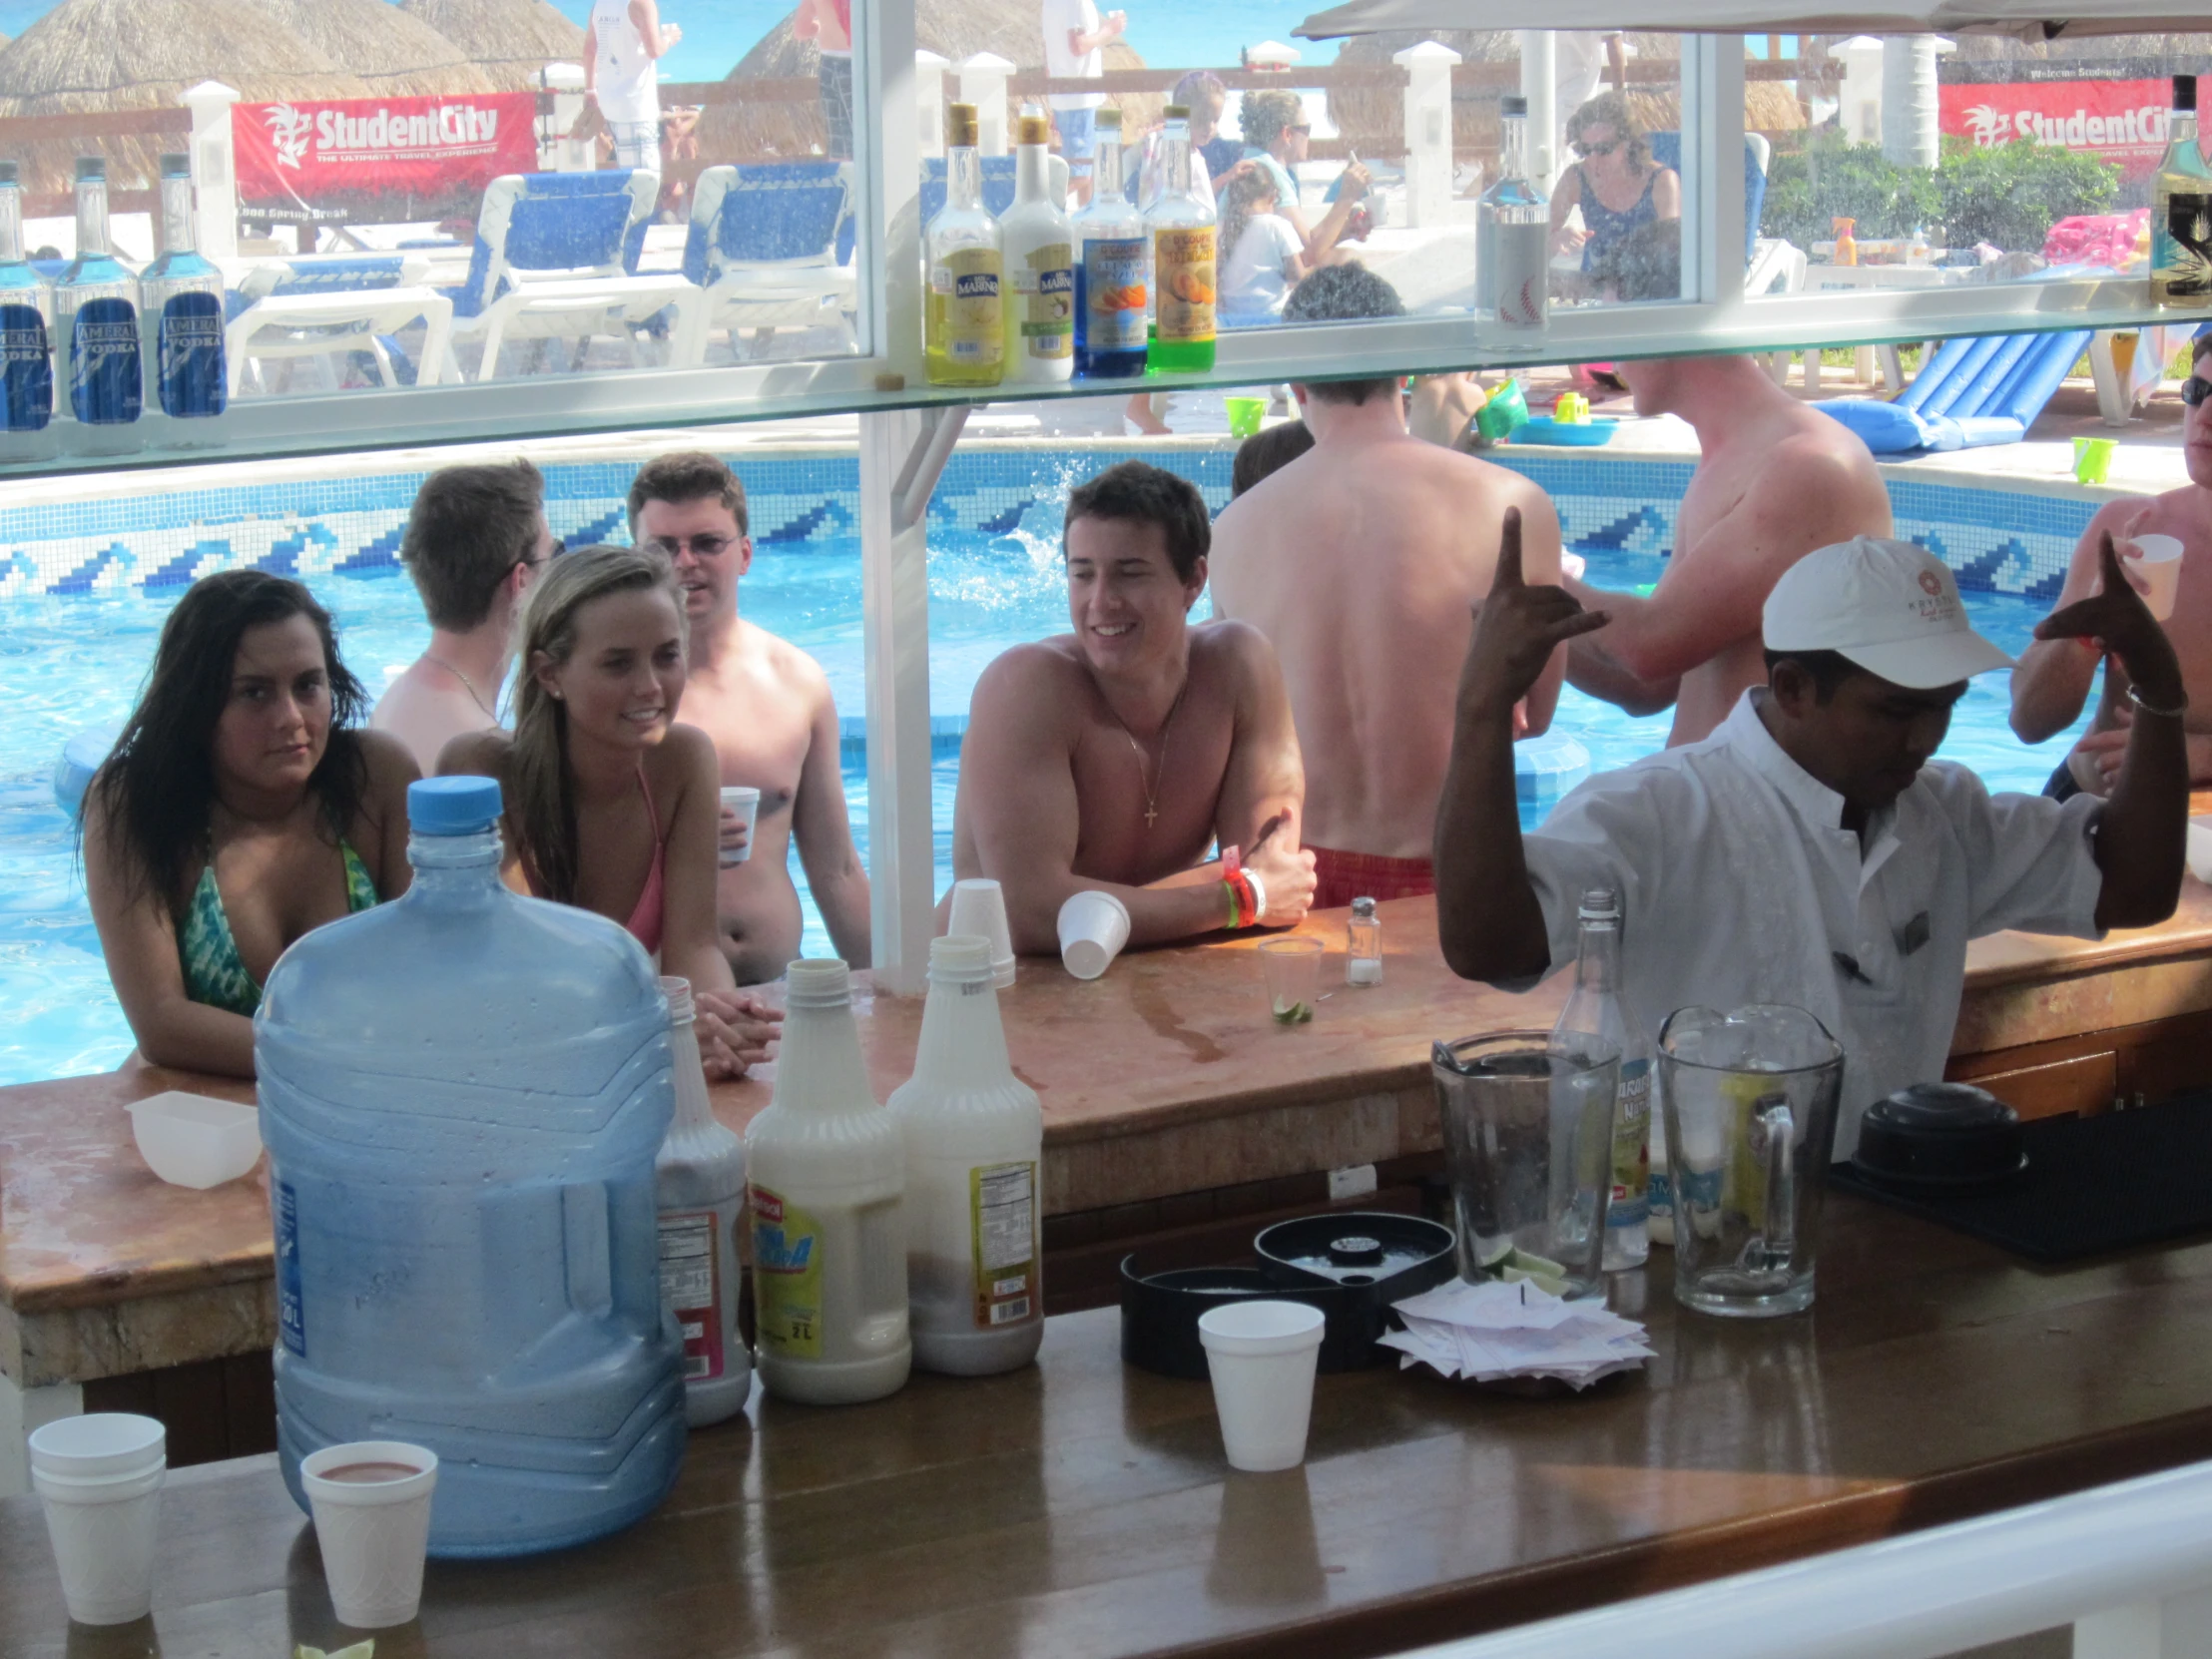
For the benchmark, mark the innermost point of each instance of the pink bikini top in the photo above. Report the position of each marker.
(647, 919)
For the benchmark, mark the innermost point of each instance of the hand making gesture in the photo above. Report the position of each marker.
(2117, 622)
(1516, 628)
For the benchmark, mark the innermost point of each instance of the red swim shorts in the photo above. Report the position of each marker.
(1343, 876)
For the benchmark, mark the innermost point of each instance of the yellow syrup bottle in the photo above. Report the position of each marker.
(963, 315)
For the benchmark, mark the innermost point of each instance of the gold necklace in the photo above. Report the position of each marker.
(467, 685)
(1159, 776)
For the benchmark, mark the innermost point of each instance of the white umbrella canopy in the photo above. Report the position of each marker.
(2025, 19)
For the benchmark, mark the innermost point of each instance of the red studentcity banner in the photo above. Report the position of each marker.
(2116, 121)
(427, 148)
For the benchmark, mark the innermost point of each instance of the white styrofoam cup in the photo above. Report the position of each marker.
(1262, 1357)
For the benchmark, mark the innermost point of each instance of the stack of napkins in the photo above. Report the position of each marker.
(1495, 1330)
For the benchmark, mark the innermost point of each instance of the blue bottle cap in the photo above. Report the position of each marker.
(452, 805)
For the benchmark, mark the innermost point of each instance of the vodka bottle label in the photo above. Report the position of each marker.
(1183, 264)
(1002, 1210)
(106, 383)
(190, 356)
(1114, 294)
(26, 371)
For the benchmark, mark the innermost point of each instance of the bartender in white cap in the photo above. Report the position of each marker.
(1811, 852)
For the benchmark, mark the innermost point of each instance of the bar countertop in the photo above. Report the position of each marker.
(1082, 1510)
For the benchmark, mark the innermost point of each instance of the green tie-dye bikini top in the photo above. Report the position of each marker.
(214, 973)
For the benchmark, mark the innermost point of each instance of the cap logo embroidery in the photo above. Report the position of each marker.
(1932, 584)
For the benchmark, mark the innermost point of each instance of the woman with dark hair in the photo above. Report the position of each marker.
(1616, 183)
(241, 807)
(610, 805)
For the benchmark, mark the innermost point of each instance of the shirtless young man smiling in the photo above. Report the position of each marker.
(1361, 562)
(1775, 480)
(767, 706)
(1113, 756)
(2053, 679)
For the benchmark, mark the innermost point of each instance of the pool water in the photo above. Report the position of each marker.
(69, 663)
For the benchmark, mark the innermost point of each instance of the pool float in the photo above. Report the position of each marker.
(1583, 433)
(79, 760)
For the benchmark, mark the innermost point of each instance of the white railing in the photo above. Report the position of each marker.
(2129, 1566)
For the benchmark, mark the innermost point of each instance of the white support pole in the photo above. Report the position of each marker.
(557, 152)
(214, 173)
(1860, 99)
(1539, 84)
(929, 71)
(1427, 69)
(983, 84)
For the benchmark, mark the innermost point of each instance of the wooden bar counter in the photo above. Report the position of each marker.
(1077, 1508)
(1175, 1109)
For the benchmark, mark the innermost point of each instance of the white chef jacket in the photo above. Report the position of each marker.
(1739, 884)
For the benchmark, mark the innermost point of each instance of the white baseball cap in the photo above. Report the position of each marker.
(1890, 606)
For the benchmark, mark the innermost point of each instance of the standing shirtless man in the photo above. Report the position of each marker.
(1774, 480)
(1113, 756)
(2052, 681)
(767, 706)
(1361, 562)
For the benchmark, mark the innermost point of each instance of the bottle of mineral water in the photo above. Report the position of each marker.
(1110, 269)
(1598, 1011)
(1180, 227)
(974, 1136)
(463, 1094)
(1513, 240)
(95, 321)
(26, 340)
(963, 317)
(698, 1179)
(2181, 211)
(181, 299)
(1039, 302)
(827, 1167)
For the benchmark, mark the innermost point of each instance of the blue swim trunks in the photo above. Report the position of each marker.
(1078, 138)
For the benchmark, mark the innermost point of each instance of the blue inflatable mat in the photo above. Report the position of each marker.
(1972, 393)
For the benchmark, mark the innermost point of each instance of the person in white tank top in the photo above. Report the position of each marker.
(622, 46)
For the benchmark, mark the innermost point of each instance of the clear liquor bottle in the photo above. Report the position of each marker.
(963, 334)
(1513, 240)
(1110, 269)
(26, 340)
(1599, 1010)
(1180, 228)
(95, 321)
(2181, 211)
(180, 299)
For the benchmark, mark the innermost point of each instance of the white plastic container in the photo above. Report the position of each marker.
(1262, 1357)
(827, 1167)
(699, 1182)
(974, 1145)
(194, 1140)
(1039, 252)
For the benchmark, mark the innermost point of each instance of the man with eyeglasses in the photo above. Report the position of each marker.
(475, 537)
(767, 706)
(2055, 676)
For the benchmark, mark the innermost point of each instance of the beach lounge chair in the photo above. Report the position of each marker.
(764, 246)
(337, 308)
(1971, 392)
(556, 256)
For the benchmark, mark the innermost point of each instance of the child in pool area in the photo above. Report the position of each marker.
(1263, 256)
(611, 806)
(240, 808)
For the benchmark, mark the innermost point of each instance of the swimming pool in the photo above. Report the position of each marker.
(78, 630)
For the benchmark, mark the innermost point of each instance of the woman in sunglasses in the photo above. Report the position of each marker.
(1616, 183)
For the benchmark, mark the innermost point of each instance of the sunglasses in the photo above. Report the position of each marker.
(1591, 151)
(2195, 390)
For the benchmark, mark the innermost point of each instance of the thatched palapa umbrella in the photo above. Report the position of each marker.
(394, 52)
(92, 55)
(511, 41)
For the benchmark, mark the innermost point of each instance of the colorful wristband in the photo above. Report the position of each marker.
(1258, 895)
(1235, 922)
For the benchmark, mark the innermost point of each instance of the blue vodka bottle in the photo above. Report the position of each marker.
(181, 302)
(95, 321)
(26, 340)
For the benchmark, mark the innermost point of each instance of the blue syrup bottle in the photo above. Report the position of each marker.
(181, 297)
(26, 340)
(95, 321)
(463, 1093)
(1112, 257)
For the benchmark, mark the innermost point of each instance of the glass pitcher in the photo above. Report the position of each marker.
(1749, 1099)
(1528, 1142)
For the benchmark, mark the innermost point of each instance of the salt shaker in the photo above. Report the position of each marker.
(1364, 945)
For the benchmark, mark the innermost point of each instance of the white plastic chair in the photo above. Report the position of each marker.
(335, 308)
(764, 246)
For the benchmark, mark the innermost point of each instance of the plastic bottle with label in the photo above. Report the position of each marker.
(463, 1094)
(96, 330)
(964, 316)
(1180, 227)
(181, 302)
(698, 1180)
(827, 1169)
(974, 1138)
(26, 340)
(1110, 269)
(1040, 267)
(1599, 1010)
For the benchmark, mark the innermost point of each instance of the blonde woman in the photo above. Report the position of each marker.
(1616, 183)
(611, 806)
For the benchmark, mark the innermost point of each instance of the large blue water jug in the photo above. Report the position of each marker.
(462, 1093)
